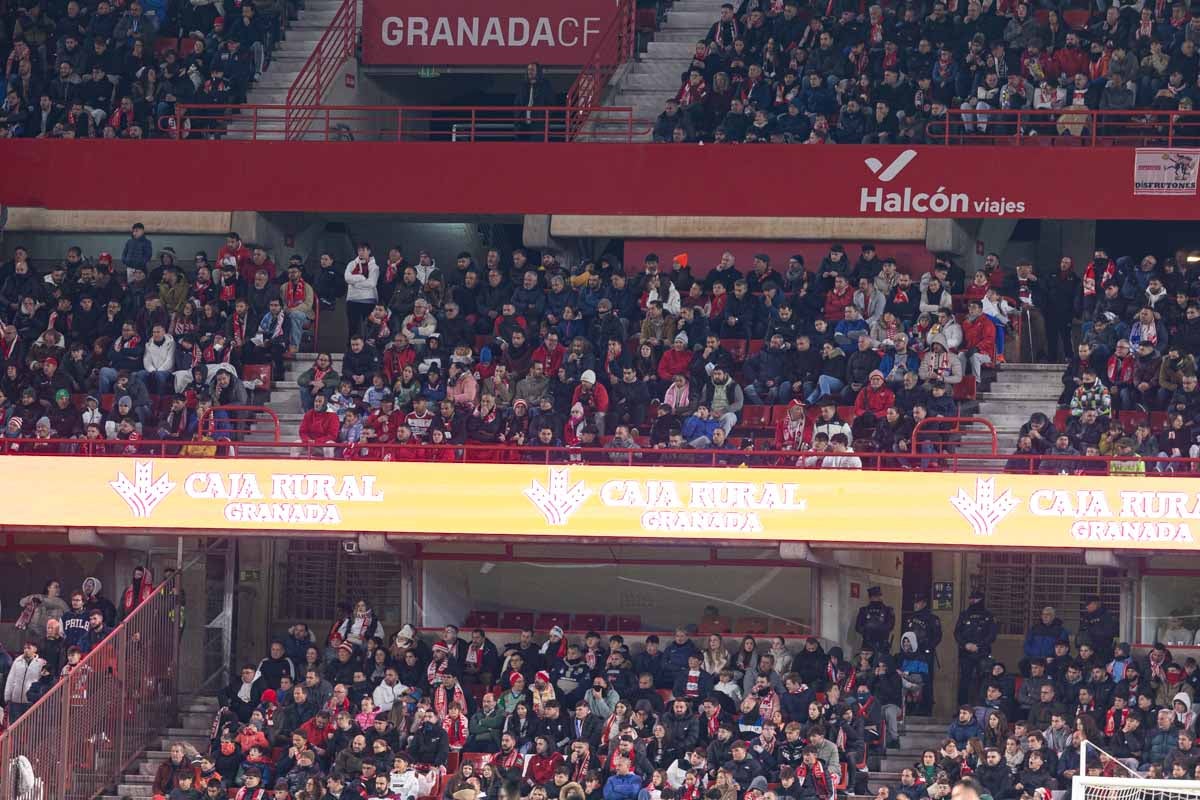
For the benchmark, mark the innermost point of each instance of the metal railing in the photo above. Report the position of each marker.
(344, 123)
(1068, 127)
(944, 450)
(79, 737)
(616, 46)
(334, 47)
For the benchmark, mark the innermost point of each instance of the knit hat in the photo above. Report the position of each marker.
(50, 360)
(682, 337)
(556, 631)
(269, 696)
(440, 647)
(515, 676)
(588, 376)
(347, 647)
(542, 676)
(43, 421)
(61, 393)
(875, 372)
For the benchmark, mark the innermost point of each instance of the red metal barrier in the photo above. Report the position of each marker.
(319, 71)
(949, 455)
(615, 47)
(1066, 127)
(79, 737)
(339, 123)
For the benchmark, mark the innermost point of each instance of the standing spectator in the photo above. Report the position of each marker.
(362, 278)
(975, 633)
(25, 671)
(1098, 628)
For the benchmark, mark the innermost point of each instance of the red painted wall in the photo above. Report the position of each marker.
(532, 178)
(911, 257)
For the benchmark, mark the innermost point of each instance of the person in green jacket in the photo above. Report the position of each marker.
(320, 378)
(485, 727)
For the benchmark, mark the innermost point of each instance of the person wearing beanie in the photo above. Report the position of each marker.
(872, 404)
(676, 361)
(593, 397)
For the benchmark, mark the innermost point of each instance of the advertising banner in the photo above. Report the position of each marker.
(1164, 171)
(475, 33)
(895, 508)
(628, 179)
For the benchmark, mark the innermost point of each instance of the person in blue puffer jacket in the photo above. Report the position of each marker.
(1042, 635)
(623, 785)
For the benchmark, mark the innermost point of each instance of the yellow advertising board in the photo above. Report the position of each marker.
(893, 508)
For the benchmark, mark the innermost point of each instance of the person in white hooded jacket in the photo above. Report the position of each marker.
(362, 292)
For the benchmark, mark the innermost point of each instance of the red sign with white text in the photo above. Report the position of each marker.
(473, 32)
(637, 179)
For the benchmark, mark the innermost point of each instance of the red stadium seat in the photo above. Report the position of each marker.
(736, 348)
(847, 413)
(1076, 18)
(778, 413)
(1158, 420)
(261, 372)
(548, 619)
(588, 622)
(965, 389)
(757, 416)
(1131, 419)
(516, 619)
(623, 623)
(1061, 418)
(106, 402)
(482, 619)
(785, 627)
(478, 759)
(751, 625)
(452, 762)
(715, 625)
(755, 346)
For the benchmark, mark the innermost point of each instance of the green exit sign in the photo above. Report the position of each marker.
(428, 72)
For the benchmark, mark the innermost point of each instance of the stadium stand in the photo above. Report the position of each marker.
(572, 712)
(511, 352)
(841, 73)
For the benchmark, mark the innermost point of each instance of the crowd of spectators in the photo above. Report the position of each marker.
(113, 68)
(1129, 387)
(359, 713)
(850, 356)
(138, 347)
(59, 629)
(828, 73)
(529, 353)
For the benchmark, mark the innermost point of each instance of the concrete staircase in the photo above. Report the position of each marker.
(918, 733)
(645, 84)
(195, 718)
(1018, 391)
(284, 398)
(285, 65)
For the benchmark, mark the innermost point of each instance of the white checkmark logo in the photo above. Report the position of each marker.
(893, 169)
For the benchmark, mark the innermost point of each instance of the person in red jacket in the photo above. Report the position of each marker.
(550, 354)
(319, 425)
(836, 300)
(593, 397)
(795, 430)
(874, 398)
(543, 762)
(979, 340)
(676, 361)
(1071, 59)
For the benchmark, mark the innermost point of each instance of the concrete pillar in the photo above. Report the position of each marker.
(828, 617)
(1065, 237)
(954, 238)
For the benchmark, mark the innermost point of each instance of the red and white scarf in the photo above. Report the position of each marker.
(442, 701)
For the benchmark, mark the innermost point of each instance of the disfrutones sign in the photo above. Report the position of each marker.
(472, 32)
(482, 500)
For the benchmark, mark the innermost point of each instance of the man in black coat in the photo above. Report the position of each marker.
(1097, 627)
(534, 93)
